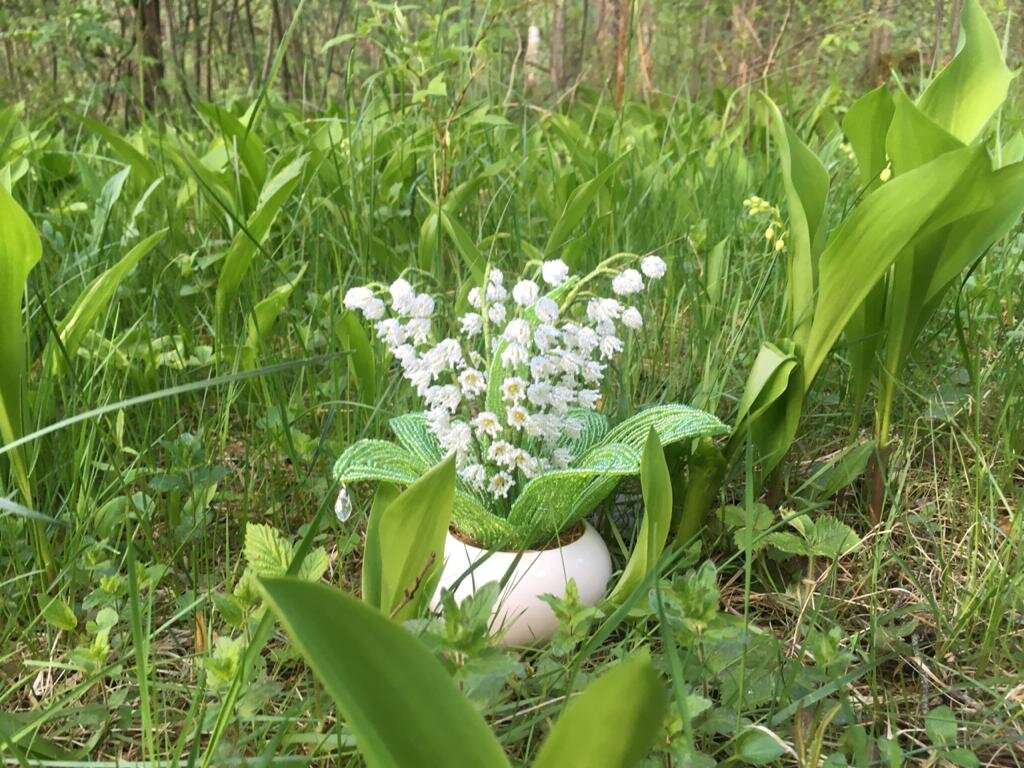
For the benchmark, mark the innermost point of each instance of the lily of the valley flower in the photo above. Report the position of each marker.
(548, 360)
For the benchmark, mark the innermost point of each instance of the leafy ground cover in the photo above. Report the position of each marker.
(191, 375)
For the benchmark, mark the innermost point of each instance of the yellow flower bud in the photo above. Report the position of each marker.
(769, 234)
(780, 244)
(886, 174)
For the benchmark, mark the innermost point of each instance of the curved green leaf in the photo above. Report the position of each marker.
(250, 149)
(913, 138)
(595, 427)
(555, 500)
(865, 125)
(874, 235)
(631, 696)
(402, 706)
(657, 491)
(576, 207)
(806, 182)
(673, 422)
(92, 302)
(415, 436)
(243, 246)
(20, 251)
(378, 461)
(407, 539)
(264, 317)
(969, 90)
(362, 362)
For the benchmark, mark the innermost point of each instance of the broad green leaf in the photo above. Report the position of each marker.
(767, 381)
(631, 696)
(921, 278)
(844, 469)
(267, 552)
(914, 139)
(969, 90)
(656, 486)
(409, 538)
(865, 125)
(20, 251)
(1012, 151)
(971, 236)
(555, 500)
(756, 745)
(831, 538)
(93, 301)
(382, 462)
(141, 165)
(705, 473)
(771, 404)
(215, 185)
(245, 242)
(19, 735)
(264, 316)
(362, 362)
(864, 333)
(874, 235)
(314, 565)
(371, 575)
(399, 701)
(806, 182)
(250, 149)
(941, 727)
(576, 207)
(109, 195)
(58, 614)
(789, 543)
(426, 245)
(595, 427)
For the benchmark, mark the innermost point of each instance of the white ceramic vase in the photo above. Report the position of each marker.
(519, 611)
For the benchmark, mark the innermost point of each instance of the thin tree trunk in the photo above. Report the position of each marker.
(342, 13)
(209, 49)
(644, 43)
(150, 42)
(531, 59)
(880, 47)
(195, 21)
(557, 63)
(279, 31)
(252, 40)
(621, 46)
(577, 66)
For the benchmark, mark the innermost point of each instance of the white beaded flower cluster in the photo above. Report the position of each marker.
(549, 364)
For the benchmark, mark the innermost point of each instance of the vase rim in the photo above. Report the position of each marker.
(575, 533)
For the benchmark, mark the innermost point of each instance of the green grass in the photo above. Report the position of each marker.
(155, 446)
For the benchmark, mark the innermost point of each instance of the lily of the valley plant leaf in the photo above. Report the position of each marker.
(517, 397)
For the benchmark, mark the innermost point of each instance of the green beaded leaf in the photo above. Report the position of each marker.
(415, 436)
(485, 528)
(548, 504)
(595, 427)
(378, 461)
(672, 423)
(555, 500)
